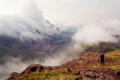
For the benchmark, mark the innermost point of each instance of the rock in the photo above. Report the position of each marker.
(118, 73)
(50, 68)
(77, 79)
(69, 70)
(33, 68)
(78, 73)
(91, 76)
(30, 69)
(14, 76)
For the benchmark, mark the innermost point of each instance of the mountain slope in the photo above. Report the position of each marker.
(86, 67)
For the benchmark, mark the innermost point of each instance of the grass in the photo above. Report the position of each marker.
(92, 53)
(115, 59)
(109, 46)
(113, 63)
(51, 75)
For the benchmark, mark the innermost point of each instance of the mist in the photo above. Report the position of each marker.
(27, 25)
(99, 31)
(21, 28)
(30, 24)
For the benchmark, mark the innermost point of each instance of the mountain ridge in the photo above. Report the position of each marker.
(86, 67)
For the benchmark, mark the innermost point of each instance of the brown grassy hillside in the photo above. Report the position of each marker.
(86, 67)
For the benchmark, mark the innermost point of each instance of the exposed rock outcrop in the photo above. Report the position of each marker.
(33, 68)
(30, 69)
(88, 68)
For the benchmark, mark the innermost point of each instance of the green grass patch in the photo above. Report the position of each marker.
(113, 63)
(92, 53)
(50, 75)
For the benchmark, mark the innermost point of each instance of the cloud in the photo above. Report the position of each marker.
(27, 25)
(99, 31)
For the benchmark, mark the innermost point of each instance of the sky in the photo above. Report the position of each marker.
(66, 12)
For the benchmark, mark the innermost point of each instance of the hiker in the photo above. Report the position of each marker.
(102, 59)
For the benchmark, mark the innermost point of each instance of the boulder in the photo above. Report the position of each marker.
(33, 68)
(118, 73)
(77, 79)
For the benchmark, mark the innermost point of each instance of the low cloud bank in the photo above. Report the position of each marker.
(99, 31)
(27, 25)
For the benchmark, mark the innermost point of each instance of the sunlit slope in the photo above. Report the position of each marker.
(86, 67)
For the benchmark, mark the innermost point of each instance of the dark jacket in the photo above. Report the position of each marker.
(102, 56)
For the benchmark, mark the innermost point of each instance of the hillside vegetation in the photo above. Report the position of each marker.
(86, 67)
